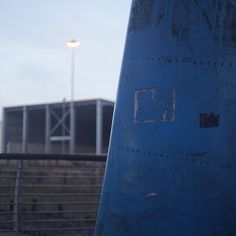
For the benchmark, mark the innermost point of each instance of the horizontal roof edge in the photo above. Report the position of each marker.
(76, 102)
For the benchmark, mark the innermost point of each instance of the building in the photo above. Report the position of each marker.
(50, 128)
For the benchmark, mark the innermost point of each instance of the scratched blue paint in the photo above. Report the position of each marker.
(171, 169)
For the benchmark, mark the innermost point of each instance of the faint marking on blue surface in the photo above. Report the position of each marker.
(152, 195)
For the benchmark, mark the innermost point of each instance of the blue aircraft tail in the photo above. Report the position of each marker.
(171, 169)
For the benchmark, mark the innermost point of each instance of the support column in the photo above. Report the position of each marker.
(47, 130)
(3, 132)
(63, 127)
(99, 127)
(25, 130)
(72, 128)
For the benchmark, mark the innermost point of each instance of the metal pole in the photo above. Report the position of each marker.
(72, 73)
(63, 128)
(72, 108)
(3, 148)
(99, 127)
(47, 130)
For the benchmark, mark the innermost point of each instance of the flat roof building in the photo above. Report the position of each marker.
(53, 128)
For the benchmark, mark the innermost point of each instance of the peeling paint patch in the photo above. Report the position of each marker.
(180, 23)
(209, 120)
(161, 11)
(218, 17)
(141, 15)
(152, 105)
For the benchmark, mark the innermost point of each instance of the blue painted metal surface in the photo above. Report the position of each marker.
(172, 159)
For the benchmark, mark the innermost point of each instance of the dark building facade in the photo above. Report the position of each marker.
(78, 127)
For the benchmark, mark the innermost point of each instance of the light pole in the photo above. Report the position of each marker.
(72, 44)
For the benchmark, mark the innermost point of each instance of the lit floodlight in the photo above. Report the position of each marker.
(73, 43)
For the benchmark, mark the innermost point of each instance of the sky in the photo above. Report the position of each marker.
(35, 62)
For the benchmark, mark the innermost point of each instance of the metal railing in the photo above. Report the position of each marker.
(50, 193)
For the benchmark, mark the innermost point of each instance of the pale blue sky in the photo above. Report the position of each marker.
(35, 62)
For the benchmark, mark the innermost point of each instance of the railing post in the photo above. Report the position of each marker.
(17, 197)
(19, 172)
